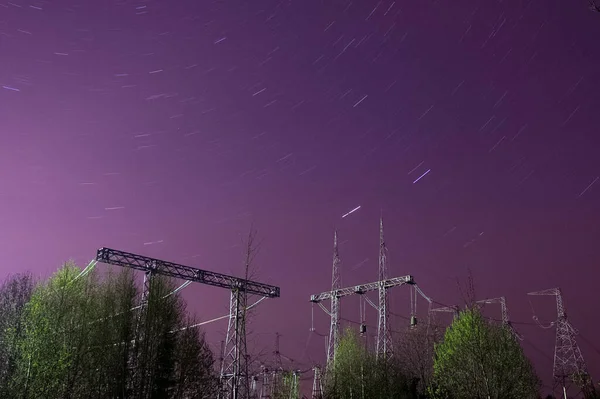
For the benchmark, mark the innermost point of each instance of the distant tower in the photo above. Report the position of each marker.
(277, 370)
(569, 366)
(384, 338)
(336, 284)
(317, 391)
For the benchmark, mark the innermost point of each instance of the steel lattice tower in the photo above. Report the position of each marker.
(569, 365)
(235, 366)
(277, 369)
(384, 337)
(317, 390)
(336, 284)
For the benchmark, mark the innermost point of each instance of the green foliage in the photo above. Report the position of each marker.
(73, 336)
(356, 373)
(478, 359)
(52, 344)
(289, 387)
(14, 295)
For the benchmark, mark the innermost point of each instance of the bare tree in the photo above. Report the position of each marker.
(415, 355)
(467, 292)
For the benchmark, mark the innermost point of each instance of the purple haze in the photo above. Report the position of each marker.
(167, 128)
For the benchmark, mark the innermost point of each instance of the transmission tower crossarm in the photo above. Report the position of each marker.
(363, 288)
(550, 291)
(449, 309)
(559, 302)
(170, 269)
(502, 301)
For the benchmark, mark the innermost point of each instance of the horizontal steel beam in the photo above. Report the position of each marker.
(170, 269)
(363, 288)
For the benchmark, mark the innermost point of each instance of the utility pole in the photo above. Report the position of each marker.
(384, 336)
(569, 365)
(336, 284)
(233, 372)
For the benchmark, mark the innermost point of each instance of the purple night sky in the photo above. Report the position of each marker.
(166, 128)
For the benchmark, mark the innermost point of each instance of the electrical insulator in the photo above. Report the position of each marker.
(413, 321)
(363, 328)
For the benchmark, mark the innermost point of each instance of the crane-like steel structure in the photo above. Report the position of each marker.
(569, 365)
(233, 375)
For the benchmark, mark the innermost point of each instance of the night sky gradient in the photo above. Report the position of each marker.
(167, 128)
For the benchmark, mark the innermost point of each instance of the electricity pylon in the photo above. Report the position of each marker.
(336, 284)
(569, 365)
(276, 381)
(384, 336)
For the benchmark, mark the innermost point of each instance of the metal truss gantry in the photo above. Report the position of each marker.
(361, 289)
(233, 378)
(569, 365)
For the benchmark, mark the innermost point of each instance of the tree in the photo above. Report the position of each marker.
(56, 332)
(195, 376)
(74, 338)
(14, 295)
(111, 341)
(481, 360)
(415, 355)
(290, 388)
(356, 373)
